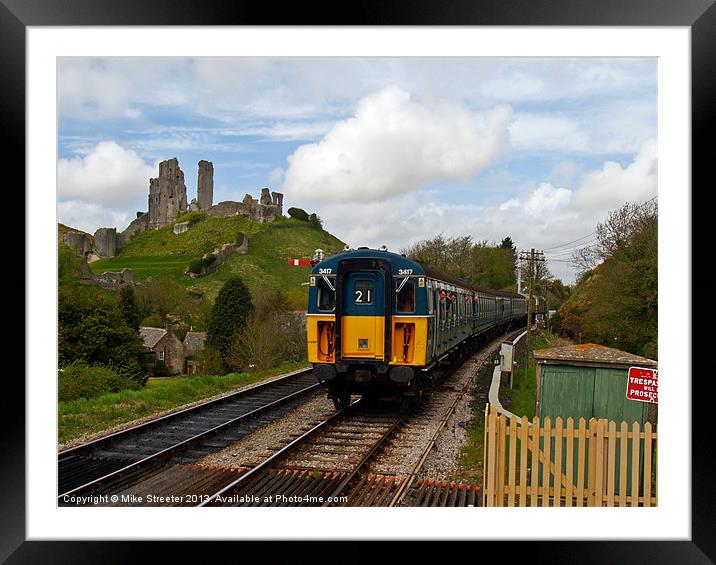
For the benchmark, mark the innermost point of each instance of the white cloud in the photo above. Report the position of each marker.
(88, 216)
(565, 171)
(108, 174)
(276, 175)
(395, 145)
(547, 199)
(613, 185)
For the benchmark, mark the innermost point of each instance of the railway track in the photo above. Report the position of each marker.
(316, 467)
(329, 464)
(332, 463)
(134, 453)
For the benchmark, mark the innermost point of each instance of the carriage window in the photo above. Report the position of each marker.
(406, 295)
(326, 294)
(363, 293)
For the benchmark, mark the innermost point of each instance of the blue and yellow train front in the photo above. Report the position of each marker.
(367, 323)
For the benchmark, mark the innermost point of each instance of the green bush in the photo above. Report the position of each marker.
(80, 380)
(239, 239)
(209, 361)
(192, 217)
(195, 266)
(160, 369)
(315, 219)
(298, 214)
(92, 328)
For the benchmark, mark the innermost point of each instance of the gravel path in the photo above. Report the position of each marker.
(258, 445)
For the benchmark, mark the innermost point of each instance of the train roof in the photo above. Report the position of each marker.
(401, 263)
(397, 262)
(432, 273)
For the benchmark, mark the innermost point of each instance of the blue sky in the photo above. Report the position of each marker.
(385, 150)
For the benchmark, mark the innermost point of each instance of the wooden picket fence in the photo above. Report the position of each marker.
(594, 464)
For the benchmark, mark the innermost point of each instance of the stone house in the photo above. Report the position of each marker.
(160, 344)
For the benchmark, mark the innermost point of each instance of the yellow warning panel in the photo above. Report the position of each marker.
(362, 337)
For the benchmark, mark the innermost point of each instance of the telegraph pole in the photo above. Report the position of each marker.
(532, 258)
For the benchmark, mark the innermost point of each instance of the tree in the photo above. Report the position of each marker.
(298, 214)
(273, 334)
(128, 306)
(507, 243)
(229, 316)
(480, 263)
(92, 328)
(615, 303)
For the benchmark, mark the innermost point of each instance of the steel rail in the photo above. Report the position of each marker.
(412, 475)
(367, 457)
(185, 444)
(276, 456)
(168, 417)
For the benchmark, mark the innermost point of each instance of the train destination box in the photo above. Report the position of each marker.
(643, 385)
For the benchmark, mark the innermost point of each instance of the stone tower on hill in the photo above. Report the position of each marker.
(205, 185)
(167, 194)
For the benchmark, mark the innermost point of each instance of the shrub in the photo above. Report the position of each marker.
(272, 335)
(192, 217)
(92, 328)
(208, 261)
(78, 380)
(315, 220)
(209, 361)
(298, 214)
(239, 239)
(160, 369)
(195, 266)
(231, 310)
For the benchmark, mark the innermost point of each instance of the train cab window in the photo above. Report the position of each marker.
(326, 295)
(405, 290)
(363, 293)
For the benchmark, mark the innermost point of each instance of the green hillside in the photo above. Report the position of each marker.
(162, 254)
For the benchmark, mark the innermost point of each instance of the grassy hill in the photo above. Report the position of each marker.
(163, 254)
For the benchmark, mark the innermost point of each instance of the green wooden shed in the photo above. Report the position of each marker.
(588, 381)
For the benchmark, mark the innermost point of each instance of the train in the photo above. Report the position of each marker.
(379, 323)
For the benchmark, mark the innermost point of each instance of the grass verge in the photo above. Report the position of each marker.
(83, 417)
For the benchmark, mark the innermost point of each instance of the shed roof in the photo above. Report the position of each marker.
(194, 341)
(593, 354)
(150, 336)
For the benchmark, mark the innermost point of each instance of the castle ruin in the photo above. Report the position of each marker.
(205, 185)
(167, 194)
(168, 199)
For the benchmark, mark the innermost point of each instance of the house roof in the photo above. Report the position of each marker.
(594, 354)
(151, 336)
(193, 342)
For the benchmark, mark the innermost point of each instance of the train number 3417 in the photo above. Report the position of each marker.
(405, 271)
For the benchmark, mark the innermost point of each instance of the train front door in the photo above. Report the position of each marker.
(363, 316)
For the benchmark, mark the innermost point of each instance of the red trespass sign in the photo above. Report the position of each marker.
(643, 385)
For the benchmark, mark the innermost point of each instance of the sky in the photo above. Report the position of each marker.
(385, 150)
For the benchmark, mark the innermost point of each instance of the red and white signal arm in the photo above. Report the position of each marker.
(643, 385)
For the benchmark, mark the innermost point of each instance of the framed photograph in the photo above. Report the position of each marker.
(402, 132)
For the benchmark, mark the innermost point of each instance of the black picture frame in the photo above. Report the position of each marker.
(698, 15)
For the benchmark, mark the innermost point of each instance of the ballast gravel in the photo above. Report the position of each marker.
(263, 442)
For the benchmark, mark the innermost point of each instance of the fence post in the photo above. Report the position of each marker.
(558, 429)
(511, 486)
(647, 464)
(635, 443)
(611, 462)
(534, 472)
(581, 449)
(546, 466)
(524, 446)
(569, 462)
(623, 463)
(502, 453)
